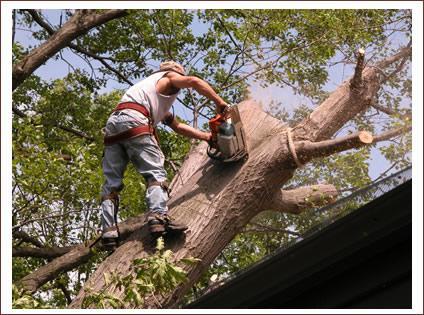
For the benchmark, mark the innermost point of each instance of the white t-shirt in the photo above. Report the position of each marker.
(144, 92)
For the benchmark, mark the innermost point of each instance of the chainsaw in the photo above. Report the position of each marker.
(228, 141)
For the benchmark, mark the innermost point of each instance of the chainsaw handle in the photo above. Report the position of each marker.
(214, 153)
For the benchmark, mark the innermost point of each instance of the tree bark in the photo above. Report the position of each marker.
(297, 200)
(43, 252)
(217, 200)
(80, 23)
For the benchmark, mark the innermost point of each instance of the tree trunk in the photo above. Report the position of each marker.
(217, 200)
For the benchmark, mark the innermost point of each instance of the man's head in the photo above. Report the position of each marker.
(172, 65)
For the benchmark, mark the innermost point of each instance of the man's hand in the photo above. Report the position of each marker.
(221, 107)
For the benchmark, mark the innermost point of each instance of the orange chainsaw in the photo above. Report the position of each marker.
(228, 141)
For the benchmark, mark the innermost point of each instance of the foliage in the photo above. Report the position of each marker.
(23, 300)
(151, 276)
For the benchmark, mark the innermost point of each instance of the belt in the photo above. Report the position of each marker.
(135, 106)
(133, 132)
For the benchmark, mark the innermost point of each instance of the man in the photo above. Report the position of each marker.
(130, 136)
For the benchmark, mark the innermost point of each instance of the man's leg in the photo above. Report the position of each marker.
(115, 161)
(147, 157)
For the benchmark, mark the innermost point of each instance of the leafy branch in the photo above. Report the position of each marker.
(151, 276)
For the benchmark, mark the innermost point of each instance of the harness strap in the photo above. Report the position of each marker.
(135, 106)
(133, 132)
(130, 133)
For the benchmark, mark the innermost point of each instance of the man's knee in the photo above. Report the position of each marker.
(162, 184)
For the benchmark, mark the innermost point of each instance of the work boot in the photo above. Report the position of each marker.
(110, 238)
(156, 224)
(161, 223)
(174, 226)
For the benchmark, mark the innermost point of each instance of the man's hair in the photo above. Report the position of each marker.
(172, 65)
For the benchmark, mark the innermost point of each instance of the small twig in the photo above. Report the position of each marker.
(270, 229)
(44, 218)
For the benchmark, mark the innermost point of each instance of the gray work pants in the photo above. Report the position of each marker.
(147, 157)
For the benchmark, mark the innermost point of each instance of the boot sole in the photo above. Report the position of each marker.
(174, 230)
(156, 229)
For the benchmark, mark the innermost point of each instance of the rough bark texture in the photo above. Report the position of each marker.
(217, 200)
(80, 23)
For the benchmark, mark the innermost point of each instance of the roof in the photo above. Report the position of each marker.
(362, 260)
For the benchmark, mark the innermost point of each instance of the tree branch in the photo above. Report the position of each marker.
(297, 200)
(76, 256)
(404, 52)
(42, 252)
(65, 292)
(307, 150)
(342, 105)
(75, 132)
(26, 238)
(390, 111)
(80, 23)
(50, 271)
(356, 82)
(267, 229)
(391, 134)
(37, 18)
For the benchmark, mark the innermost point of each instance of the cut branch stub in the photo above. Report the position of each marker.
(356, 83)
(307, 150)
(297, 200)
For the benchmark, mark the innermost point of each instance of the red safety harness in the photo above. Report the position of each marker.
(133, 132)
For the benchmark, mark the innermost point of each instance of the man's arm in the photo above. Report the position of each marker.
(186, 130)
(199, 85)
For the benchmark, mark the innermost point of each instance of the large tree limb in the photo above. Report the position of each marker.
(297, 200)
(344, 104)
(307, 150)
(72, 256)
(42, 252)
(26, 238)
(37, 18)
(50, 271)
(80, 23)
